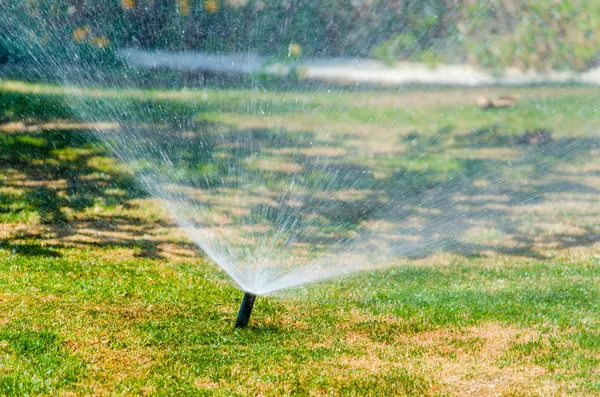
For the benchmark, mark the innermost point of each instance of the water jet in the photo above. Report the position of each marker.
(267, 181)
(245, 310)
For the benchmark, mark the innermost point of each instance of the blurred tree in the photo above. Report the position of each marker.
(494, 33)
(532, 34)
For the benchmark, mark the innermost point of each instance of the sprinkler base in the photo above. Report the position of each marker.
(245, 310)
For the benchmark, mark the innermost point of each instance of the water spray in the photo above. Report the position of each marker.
(245, 310)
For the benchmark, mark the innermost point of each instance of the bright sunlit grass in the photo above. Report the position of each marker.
(101, 294)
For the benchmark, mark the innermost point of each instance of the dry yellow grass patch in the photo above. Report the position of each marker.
(323, 128)
(205, 383)
(53, 184)
(22, 231)
(476, 371)
(20, 127)
(461, 361)
(312, 152)
(114, 364)
(276, 165)
(454, 97)
(369, 363)
(11, 190)
(376, 146)
(500, 153)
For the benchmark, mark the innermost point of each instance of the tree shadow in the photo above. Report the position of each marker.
(484, 194)
(59, 176)
(30, 249)
(431, 207)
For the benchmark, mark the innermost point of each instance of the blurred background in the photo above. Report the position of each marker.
(302, 38)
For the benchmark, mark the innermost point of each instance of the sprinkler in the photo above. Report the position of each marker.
(245, 310)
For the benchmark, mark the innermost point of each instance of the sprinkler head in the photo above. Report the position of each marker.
(245, 310)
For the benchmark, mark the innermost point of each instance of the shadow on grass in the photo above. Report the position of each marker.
(31, 250)
(485, 193)
(53, 171)
(59, 171)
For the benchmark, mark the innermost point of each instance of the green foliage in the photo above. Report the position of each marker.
(86, 32)
(532, 34)
(49, 33)
(495, 33)
(428, 29)
(527, 34)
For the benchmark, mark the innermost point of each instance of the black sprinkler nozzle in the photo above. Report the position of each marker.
(245, 310)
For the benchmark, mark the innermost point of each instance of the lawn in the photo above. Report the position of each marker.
(101, 293)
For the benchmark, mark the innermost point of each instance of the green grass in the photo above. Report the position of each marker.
(101, 294)
(88, 322)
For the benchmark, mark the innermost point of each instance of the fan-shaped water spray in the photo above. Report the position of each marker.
(282, 187)
(278, 209)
